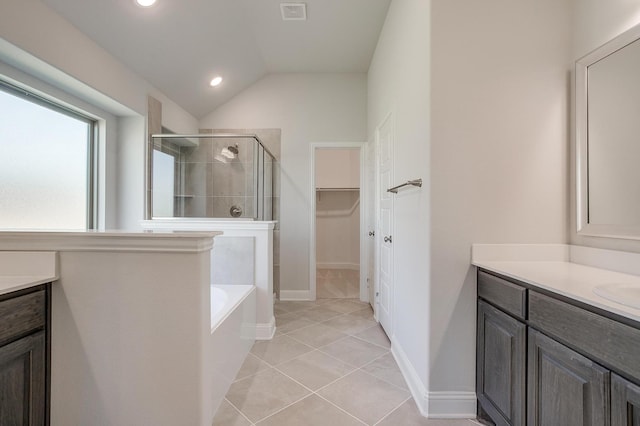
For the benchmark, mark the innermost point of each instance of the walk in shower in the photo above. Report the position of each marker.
(210, 175)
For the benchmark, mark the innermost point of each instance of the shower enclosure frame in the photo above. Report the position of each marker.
(259, 189)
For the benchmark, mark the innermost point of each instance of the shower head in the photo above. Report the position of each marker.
(230, 152)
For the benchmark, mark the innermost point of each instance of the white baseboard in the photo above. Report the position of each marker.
(416, 387)
(265, 331)
(295, 295)
(351, 266)
(451, 405)
(434, 405)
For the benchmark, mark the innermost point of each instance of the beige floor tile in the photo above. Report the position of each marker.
(354, 351)
(294, 306)
(278, 311)
(311, 411)
(375, 335)
(338, 287)
(291, 322)
(279, 349)
(328, 288)
(317, 335)
(319, 314)
(349, 324)
(346, 306)
(315, 369)
(408, 415)
(251, 365)
(366, 313)
(227, 415)
(385, 368)
(265, 393)
(366, 397)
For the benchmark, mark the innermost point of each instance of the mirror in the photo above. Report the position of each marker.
(608, 139)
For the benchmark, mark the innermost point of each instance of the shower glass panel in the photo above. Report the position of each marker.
(214, 176)
(163, 183)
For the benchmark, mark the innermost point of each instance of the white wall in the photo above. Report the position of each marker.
(39, 42)
(337, 212)
(499, 154)
(399, 84)
(338, 229)
(595, 23)
(308, 108)
(480, 106)
(337, 168)
(598, 21)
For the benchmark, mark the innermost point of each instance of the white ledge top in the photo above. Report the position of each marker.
(116, 240)
(570, 271)
(200, 224)
(20, 270)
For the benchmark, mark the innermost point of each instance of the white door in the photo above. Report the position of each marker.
(384, 234)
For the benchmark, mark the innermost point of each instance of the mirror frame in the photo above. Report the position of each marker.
(582, 140)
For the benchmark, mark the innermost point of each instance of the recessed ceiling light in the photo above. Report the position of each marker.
(145, 3)
(216, 81)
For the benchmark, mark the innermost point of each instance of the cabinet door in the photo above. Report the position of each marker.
(22, 381)
(565, 388)
(625, 402)
(501, 356)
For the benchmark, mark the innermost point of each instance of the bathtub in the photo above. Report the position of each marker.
(243, 255)
(233, 332)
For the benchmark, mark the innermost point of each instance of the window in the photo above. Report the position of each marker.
(46, 164)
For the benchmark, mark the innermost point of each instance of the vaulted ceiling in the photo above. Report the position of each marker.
(180, 45)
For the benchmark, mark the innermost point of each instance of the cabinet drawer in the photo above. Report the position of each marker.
(21, 314)
(510, 297)
(612, 343)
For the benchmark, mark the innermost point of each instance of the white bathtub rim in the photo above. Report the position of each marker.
(236, 301)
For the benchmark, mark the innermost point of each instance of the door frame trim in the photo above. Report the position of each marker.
(364, 296)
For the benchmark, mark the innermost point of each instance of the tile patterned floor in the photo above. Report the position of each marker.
(329, 364)
(337, 283)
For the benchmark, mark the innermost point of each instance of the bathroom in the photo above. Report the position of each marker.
(480, 100)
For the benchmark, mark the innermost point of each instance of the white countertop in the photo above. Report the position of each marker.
(29, 257)
(9, 284)
(563, 276)
(110, 240)
(21, 269)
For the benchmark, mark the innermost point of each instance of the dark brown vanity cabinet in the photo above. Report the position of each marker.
(564, 387)
(625, 402)
(24, 357)
(502, 343)
(575, 367)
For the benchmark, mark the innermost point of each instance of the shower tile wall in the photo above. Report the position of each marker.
(214, 183)
(271, 139)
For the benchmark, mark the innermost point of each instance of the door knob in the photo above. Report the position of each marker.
(372, 233)
(387, 239)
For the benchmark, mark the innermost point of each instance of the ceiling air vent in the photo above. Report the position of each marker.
(293, 11)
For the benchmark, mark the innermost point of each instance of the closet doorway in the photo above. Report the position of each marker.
(337, 265)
